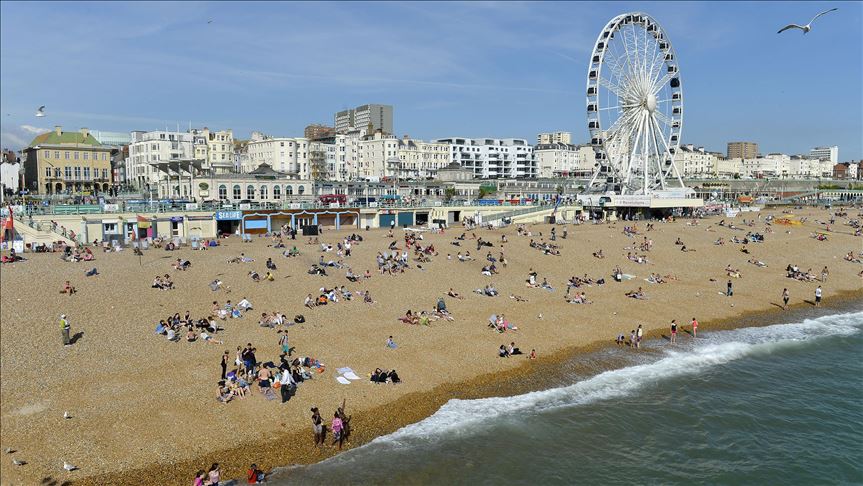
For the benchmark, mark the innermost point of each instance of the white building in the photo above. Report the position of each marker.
(421, 160)
(10, 174)
(374, 152)
(830, 154)
(146, 148)
(492, 158)
(563, 159)
(554, 137)
(727, 168)
(215, 149)
(695, 162)
(761, 167)
(288, 155)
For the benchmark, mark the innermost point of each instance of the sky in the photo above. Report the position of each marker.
(449, 69)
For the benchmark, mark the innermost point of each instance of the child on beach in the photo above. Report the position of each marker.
(673, 331)
(694, 327)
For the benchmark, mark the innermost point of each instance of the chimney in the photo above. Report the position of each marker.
(406, 137)
(85, 131)
(58, 129)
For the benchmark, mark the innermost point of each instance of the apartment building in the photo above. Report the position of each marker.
(283, 154)
(215, 149)
(830, 154)
(563, 159)
(695, 162)
(554, 137)
(59, 162)
(492, 158)
(380, 117)
(146, 148)
(742, 150)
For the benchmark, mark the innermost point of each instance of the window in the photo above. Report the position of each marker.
(237, 194)
(263, 193)
(47, 154)
(86, 173)
(223, 192)
(250, 192)
(86, 155)
(57, 154)
(57, 172)
(104, 156)
(47, 172)
(75, 155)
(289, 190)
(302, 190)
(77, 172)
(67, 156)
(277, 192)
(105, 174)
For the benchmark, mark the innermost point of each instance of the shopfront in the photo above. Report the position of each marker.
(228, 222)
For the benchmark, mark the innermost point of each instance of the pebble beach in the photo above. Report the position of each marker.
(143, 409)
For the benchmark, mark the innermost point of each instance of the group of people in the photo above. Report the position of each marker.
(175, 328)
(163, 282)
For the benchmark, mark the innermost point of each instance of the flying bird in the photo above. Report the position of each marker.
(41, 111)
(805, 28)
(210, 21)
(68, 466)
(67, 415)
(18, 463)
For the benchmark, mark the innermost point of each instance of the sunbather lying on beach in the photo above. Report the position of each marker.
(636, 294)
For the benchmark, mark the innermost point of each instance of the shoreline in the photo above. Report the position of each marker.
(283, 453)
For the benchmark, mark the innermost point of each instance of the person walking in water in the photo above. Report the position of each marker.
(785, 297)
(818, 297)
(65, 328)
(673, 331)
(639, 333)
(694, 327)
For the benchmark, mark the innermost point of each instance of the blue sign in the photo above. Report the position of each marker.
(228, 215)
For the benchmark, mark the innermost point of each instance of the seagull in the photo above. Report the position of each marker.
(67, 415)
(68, 466)
(805, 28)
(9, 450)
(41, 111)
(210, 21)
(18, 463)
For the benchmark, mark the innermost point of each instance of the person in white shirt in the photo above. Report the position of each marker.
(287, 385)
(244, 305)
(818, 297)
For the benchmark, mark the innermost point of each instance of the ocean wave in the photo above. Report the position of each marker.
(458, 417)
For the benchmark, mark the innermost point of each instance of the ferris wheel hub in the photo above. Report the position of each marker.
(650, 102)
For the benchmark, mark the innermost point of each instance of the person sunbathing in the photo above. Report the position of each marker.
(517, 298)
(599, 254)
(454, 294)
(636, 294)
(68, 288)
(254, 276)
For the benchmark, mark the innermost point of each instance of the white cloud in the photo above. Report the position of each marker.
(33, 130)
(11, 141)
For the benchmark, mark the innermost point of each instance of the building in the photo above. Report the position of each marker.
(10, 175)
(492, 158)
(59, 162)
(742, 150)
(374, 152)
(282, 154)
(560, 159)
(379, 116)
(726, 168)
(112, 139)
(419, 159)
(554, 137)
(318, 132)
(830, 154)
(215, 149)
(146, 148)
(694, 162)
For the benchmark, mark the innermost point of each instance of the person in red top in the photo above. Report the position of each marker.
(694, 327)
(255, 475)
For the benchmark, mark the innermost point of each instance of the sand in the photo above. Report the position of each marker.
(146, 407)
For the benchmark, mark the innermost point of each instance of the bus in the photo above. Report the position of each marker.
(333, 198)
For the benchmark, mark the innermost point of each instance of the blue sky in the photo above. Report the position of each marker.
(468, 69)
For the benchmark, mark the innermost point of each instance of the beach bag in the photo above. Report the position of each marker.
(299, 319)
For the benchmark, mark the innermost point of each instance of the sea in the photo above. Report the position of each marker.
(779, 404)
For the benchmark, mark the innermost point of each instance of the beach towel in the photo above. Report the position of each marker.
(344, 370)
(351, 375)
(627, 276)
(343, 380)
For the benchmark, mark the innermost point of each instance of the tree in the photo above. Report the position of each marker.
(203, 186)
(449, 193)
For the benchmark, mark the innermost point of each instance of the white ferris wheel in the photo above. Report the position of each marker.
(634, 108)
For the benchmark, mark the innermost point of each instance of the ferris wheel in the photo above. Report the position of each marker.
(634, 108)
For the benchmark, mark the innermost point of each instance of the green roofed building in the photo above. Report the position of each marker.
(59, 162)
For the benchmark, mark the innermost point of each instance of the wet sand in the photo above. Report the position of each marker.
(145, 408)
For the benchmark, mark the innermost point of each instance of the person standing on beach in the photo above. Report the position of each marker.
(818, 297)
(730, 290)
(214, 474)
(639, 333)
(317, 426)
(824, 274)
(785, 297)
(673, 331)
(694, 327)
(337, 430)
(225, 359)
(65, 328)
(283, 342)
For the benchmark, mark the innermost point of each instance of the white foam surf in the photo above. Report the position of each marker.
(467, 416)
